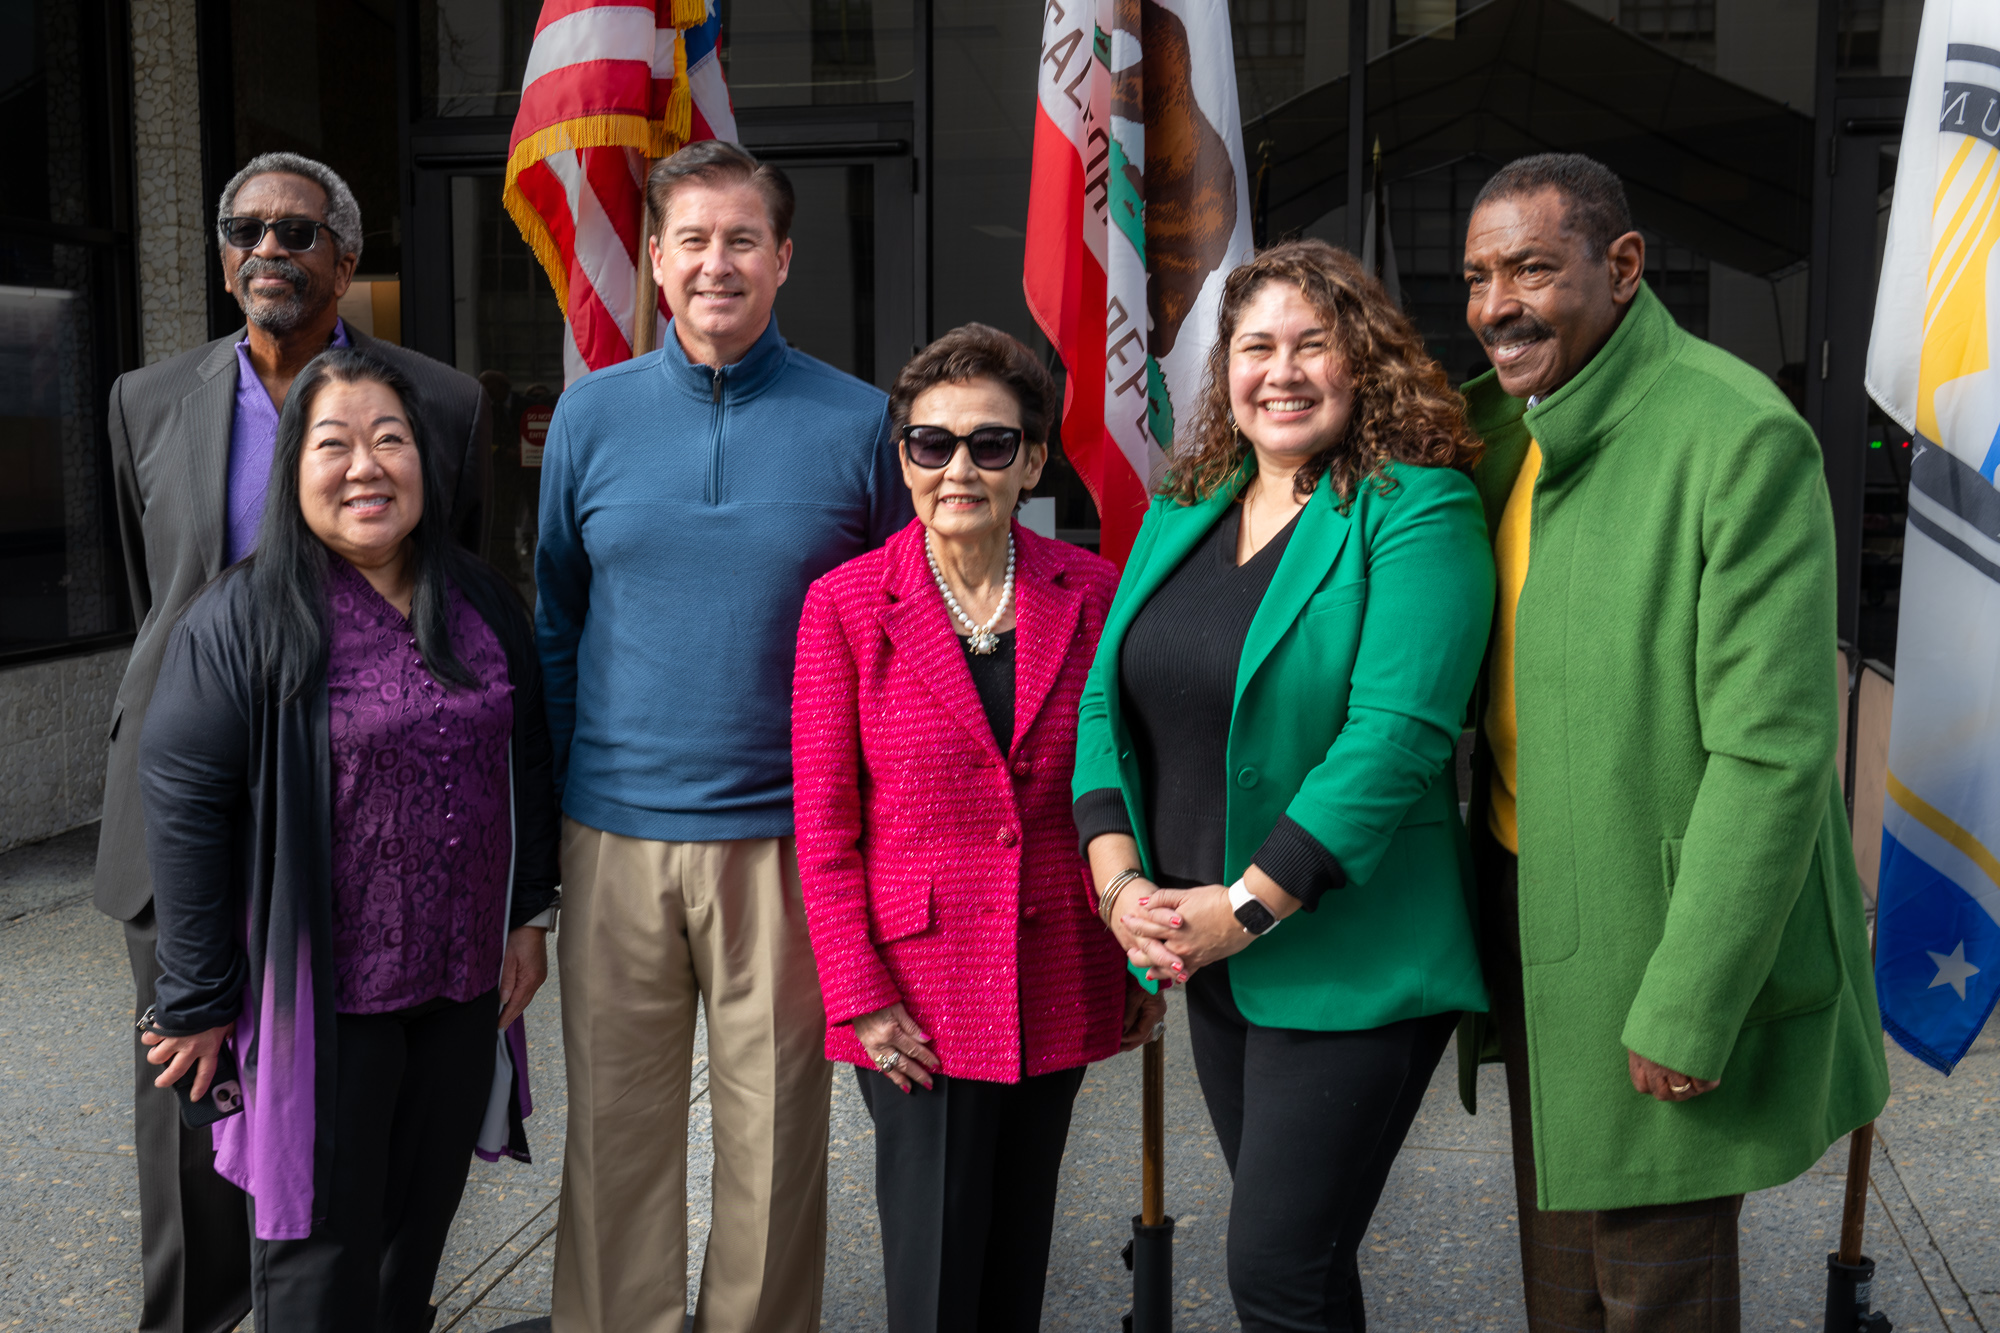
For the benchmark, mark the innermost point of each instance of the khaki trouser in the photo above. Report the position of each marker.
(646, 928)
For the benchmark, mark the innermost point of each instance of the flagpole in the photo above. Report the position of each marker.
(1150, 1252)
(1850, 1274)
(1357, 112)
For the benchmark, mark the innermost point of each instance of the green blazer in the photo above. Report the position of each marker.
(1686, 874)
(1349, 700)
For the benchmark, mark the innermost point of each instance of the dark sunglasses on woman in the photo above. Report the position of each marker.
(993, 447)
(293, 233)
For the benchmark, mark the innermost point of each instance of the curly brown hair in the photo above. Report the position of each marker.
(1404, 408)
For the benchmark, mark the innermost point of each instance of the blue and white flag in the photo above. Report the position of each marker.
(1931, 367)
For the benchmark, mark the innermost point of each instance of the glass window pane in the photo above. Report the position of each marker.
(509, 335)
(983, 131)
(817, 52)
(774, 53)
(59, 572)
(826, 307)
(471, 55)
(52, 113)
(319, 78)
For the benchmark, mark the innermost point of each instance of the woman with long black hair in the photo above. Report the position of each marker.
(352, 833)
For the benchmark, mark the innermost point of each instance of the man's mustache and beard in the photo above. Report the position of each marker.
(1523, 328)
(271, 313)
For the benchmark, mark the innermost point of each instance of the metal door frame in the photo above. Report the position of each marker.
(1859, 118)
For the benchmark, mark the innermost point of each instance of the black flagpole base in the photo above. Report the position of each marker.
(1150, 1256)
(1849, 1288)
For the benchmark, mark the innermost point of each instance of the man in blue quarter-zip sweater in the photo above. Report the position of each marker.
(689, 496)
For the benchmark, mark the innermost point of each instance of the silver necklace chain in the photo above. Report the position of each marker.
(982, 640)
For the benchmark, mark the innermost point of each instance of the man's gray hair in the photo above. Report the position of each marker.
(343, 213)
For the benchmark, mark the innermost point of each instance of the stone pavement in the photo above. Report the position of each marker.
(1441, 1254)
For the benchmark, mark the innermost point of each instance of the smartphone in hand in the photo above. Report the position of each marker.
(224, 1097)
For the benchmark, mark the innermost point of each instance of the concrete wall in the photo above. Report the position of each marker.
(166, 123)
(53, 715)
(53, 722)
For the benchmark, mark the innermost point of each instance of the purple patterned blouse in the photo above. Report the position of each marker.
(422, 839)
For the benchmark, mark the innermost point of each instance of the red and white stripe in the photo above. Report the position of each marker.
(1063, 275)
(595, 105)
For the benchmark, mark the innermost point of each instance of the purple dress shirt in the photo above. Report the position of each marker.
(422, 806)
(253, 433)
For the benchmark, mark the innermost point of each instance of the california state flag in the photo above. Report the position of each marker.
(1140, 208)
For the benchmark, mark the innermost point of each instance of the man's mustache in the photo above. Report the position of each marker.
(1524, 327)
(258, 266)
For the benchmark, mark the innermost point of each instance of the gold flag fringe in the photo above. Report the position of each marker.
(655, 138)
(678, 124)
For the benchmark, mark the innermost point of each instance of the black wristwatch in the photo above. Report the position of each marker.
(1251, 914)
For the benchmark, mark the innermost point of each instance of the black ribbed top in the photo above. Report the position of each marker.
(993, 677)
(1177, 676)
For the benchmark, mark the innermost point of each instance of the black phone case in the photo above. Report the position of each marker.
(225, 1093)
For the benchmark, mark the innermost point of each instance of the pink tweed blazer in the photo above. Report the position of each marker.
(937, 870)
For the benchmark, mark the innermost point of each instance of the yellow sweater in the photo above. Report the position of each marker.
(1510, 564)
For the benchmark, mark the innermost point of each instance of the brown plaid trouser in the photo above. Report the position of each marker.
(1668, 1268)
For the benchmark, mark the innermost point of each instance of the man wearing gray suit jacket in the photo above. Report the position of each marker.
(191, 441)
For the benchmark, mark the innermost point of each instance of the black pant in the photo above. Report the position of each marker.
(1310, 1123)
(965, 1179)
(194, 1242)
(409, 1097)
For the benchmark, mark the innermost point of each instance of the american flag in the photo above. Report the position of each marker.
(610, 84)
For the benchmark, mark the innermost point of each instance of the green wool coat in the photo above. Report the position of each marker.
(1687, 882)
(1349, 698)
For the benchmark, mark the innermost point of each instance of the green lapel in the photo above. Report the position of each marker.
(1497, 420)
(1181, 529)
(1315, 545)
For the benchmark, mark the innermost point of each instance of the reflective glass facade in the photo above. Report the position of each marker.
(65, 322)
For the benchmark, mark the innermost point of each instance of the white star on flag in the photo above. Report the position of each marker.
(1952, 969)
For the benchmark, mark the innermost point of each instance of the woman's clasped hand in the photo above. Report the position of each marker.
(1174, 933)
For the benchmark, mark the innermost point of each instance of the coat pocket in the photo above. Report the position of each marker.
(1670, 863)
(896, 912)
(1807, 973)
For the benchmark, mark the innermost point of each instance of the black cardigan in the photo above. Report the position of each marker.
(239, 809)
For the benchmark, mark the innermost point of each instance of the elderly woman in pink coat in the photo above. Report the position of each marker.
(964, 966)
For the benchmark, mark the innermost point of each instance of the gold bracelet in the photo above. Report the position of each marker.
(1109, 898)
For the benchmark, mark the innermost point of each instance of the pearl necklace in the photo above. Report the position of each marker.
(983, 639)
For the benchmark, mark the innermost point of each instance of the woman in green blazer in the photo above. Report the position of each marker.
(1274, 707)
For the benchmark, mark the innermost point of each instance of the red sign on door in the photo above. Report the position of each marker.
(534, 431)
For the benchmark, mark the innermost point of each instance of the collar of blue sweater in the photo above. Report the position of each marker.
(758, 370)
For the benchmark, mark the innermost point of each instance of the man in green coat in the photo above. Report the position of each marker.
(1671, 922)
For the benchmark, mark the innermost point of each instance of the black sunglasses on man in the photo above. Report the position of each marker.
(295, 234)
